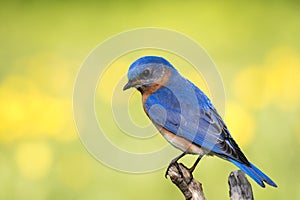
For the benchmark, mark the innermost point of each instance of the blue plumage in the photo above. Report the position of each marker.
(257, 175)
(180, 109)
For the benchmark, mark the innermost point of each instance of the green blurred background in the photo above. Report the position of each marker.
(256, 47)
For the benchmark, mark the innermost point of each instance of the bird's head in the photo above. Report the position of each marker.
(148, 71)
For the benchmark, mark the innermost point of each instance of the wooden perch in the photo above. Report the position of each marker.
(183, 179)
(239, 186)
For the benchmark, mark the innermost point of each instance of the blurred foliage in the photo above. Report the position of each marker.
(256, 47)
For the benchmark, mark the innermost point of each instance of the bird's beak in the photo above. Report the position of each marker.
(132, 83)
(128, 85)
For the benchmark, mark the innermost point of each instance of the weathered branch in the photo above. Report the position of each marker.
(183, 179)
(239, 186)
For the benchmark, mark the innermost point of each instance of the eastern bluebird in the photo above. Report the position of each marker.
(185, 116)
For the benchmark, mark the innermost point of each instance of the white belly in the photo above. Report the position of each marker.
(183, 144)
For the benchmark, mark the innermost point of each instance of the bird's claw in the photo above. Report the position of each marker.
(177, 166)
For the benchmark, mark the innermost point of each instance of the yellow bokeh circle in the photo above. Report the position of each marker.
(240, 123)
(34, 159)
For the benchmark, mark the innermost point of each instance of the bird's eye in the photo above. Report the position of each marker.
(146, 73)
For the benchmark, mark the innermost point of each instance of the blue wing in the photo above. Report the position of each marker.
(204, 127)
(207, 131)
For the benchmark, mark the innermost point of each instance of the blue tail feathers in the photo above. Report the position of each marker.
(257, 175)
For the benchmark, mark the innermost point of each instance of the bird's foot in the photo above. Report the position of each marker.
(177, 167)
(174, 162)
(179, 172)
